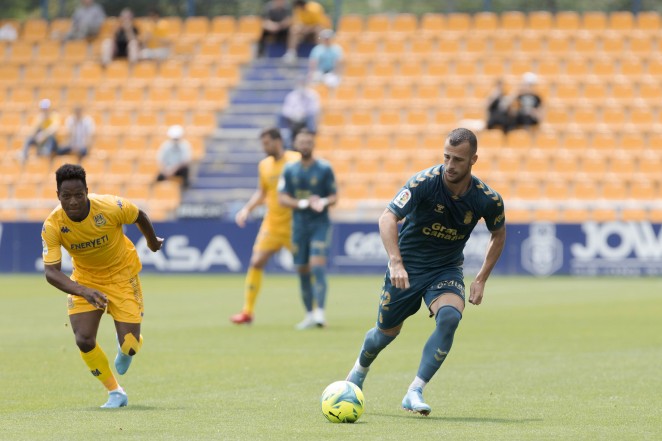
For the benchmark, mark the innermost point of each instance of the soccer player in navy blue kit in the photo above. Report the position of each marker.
(309, 187)
(440, 206)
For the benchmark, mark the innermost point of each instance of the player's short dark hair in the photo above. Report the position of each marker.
(305, 130)
(458, 136)
(69, 172)
(271, 132)
(300, 3)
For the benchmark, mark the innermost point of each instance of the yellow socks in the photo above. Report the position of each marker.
(97, 361)
(253, 285)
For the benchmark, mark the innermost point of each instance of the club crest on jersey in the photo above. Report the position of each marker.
(468, 217)
(439, 209)
(402, 199)
(65, 230)
(99, 220)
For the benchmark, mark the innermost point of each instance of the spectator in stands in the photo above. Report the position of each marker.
(80, 132)
(155, 41)
(527, 102)
(8, 32)
(174, 156)
(499, 115)
(42, 134)
(300, 110)
(325, 63)
(86, 21)
(124, 43)
(276, 21)
(307, 21)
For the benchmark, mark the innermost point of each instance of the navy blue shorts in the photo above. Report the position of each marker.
(398, 304)
(310, 240)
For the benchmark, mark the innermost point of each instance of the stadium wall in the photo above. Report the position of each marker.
(541, 249)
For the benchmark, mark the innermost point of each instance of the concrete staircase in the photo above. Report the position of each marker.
(227, 174)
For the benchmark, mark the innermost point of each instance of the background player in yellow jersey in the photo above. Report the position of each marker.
(276, 230)
(105, 275)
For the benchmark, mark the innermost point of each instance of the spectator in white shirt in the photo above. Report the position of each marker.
(80, 132)
(174, 156)
(300, 110)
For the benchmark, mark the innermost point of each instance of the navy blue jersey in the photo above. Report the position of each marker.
(303, 182)
(437, 224)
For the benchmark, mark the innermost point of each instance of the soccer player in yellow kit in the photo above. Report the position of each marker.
(276, 229)
(105, 275)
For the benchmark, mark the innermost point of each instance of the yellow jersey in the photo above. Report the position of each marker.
(310, 15)
(100, 251)
(277, 217)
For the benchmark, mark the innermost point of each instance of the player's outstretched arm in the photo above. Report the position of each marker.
(494, 249)
(145, 226)
(388, 230)
(58, 279)
(256, 199)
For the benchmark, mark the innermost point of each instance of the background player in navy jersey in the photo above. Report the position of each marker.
(309, 187)
(441, 206)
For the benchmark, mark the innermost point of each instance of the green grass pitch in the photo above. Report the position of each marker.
(541, 359)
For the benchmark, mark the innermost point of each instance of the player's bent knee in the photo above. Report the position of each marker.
(448, 317)
(85, 343)
(131, 346)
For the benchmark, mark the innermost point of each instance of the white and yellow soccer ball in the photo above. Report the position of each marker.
(342, 402)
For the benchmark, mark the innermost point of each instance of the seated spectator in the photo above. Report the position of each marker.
(42, 135)
(80, 131)
(174, 156)
(300, 110)
(276, 21)
(8, 32)
(124, 43)
(325, 63)
(307, 21)
(498, 109)
(527, 103)
(155, 39)
(86, 21)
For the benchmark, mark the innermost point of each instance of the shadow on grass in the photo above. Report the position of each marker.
(137, 407)
(461, 419)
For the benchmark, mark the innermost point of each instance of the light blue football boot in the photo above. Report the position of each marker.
(116, 399)
(356, 377)
(122, 361)
(413, 402)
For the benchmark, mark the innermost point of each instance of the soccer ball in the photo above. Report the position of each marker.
(342, 402)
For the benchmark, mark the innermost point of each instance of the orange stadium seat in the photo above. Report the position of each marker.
(566, 21)
(196, 27)
(432, 24)
(539, 21)
(223, 26)
(34, 29)
(485, 22)
(378, 23)
(350, 24)
(459, 22)
(594, 21)
(512, 21)
(622, 21)
(648, 21)
(249, 26)
(406, 24)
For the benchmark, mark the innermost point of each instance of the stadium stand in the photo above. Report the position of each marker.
(407, 81)
(131, 106)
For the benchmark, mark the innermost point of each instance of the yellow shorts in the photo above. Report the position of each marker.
(268, 240)
(125, 301)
